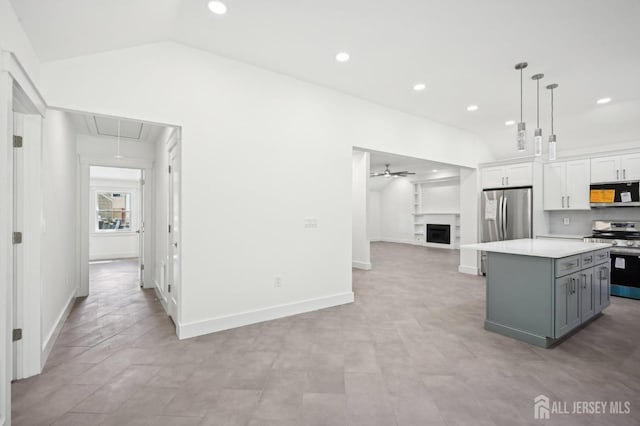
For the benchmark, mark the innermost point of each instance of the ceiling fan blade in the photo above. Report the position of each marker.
(376, 174)
(399, 173)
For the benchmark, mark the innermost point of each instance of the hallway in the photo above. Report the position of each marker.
(410, 351)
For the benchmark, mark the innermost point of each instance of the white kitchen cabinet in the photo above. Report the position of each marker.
(630, 165)
(493, 177)
(566, 185)
(615, 168)
(519, 174)
(510, 175)
(554, 182)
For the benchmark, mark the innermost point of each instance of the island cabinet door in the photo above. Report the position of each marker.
(587, 294)
(567, 313)
(602, 289)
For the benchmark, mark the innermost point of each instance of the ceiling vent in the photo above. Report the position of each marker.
(109, 127)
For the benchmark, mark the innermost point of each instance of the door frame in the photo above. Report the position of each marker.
(84, 189)
(17, 88)
(175, 312)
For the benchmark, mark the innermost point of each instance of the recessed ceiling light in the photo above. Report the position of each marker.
(603, 101)
(419, 87)
(434, 170)
(472, 108)
(217, 7)
(509, 123)
(342, 57)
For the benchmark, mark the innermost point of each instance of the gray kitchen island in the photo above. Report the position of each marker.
(538, 290)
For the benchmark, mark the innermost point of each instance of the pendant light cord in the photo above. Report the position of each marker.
(521, 95)
(552, 111)
(538, 104)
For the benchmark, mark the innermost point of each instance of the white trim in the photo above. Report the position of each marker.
(114, 255)
(471, 270)
(361, 265)
(51, 338)
(12, 65)
(198, 328)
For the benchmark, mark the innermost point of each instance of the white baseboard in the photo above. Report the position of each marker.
(361, 265)
(161, 297)
(113, 256)
(471, 270)
(198, 328)
(50, 340)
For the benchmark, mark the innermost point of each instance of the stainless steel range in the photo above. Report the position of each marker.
(625, 254)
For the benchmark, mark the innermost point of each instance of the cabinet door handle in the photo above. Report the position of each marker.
(584, 283)
(568, 198)
(617, 174)
(589, 259)
(503, 181)
(507, 180)
(563, 201)
(570, 264)
(624, 173)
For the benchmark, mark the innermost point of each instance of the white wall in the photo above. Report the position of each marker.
(441, 197)
(373, 216)
(396, 208)
(257, 129)
(360, 241)
(469, 211)
(59, 256)
(114, 245)
(13, 39)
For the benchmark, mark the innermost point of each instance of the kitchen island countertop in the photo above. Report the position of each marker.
(549, 248)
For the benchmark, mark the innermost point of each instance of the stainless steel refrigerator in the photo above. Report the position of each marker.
(506, 215)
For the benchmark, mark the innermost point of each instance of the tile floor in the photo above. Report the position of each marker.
(410, 351)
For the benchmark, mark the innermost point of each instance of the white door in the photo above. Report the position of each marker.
(18, 197)
(577, 184)
(519, 175)
(605, 169)
(173, 289)
(140, 231)
(630, 165)
(492, 177)
(554, 185)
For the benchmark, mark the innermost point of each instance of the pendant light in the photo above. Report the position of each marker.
(537, 138)
(118, 156)
(522, 130)
(552, 136)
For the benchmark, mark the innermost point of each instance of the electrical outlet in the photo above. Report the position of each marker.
(277, 281)
(566, 221)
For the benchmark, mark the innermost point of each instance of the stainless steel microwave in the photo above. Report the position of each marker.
(615, 194)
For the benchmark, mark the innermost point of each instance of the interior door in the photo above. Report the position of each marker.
(140, 202)
(517, 213)
(173, 289)
(18, 255)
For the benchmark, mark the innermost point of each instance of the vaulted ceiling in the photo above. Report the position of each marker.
(463, 50)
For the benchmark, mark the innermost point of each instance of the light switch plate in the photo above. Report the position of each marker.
(310, 222)
(566, 221)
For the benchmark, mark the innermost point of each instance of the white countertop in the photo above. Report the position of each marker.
(551, 248)
(565, 236)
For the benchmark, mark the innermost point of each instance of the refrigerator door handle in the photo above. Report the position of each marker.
(500, 219)
(504, 218)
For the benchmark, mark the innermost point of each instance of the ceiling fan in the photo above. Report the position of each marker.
(389, 173)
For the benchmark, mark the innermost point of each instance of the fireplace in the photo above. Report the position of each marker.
(440, 234)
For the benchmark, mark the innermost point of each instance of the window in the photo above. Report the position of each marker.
(113, 212)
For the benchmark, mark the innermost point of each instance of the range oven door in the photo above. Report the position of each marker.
(625, 273)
